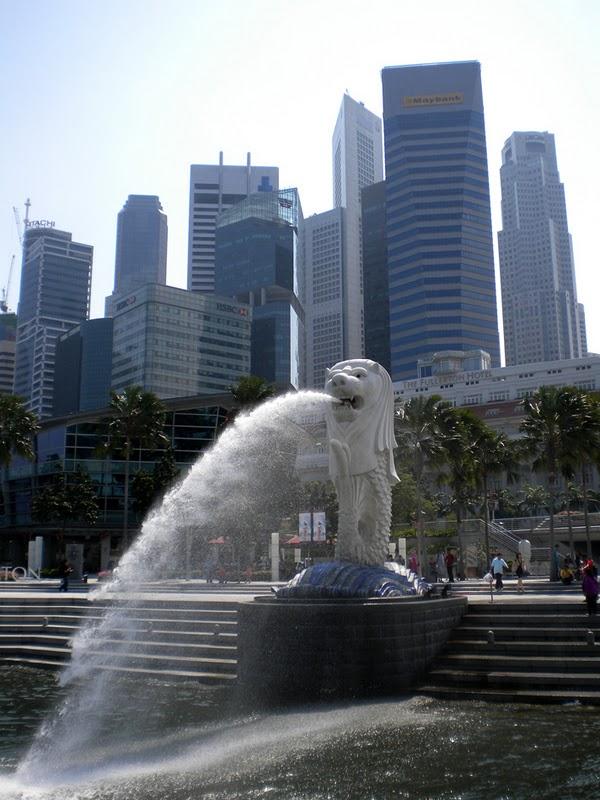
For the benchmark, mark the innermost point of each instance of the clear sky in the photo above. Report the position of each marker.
(105, 98)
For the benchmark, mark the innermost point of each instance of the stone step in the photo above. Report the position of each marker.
(503, 633)
(576, 619)
(490, 662)
(215, 649)
(525, 609)
(148, 623)
(524, 648)
(225, 633)
(215, 611)
(510, 694)
(157, 663)
(206, 677)
(526, 680)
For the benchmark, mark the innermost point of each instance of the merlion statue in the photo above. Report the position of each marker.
(360, 427)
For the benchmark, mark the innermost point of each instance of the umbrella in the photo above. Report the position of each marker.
(294, 540)
(219, 540)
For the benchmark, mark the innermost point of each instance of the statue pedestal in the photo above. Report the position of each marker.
(298, 650)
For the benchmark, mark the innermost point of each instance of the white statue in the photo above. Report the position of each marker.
(361, 458)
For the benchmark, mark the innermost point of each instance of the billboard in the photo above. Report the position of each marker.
(319, 526)
(304, 527)
(312, 527)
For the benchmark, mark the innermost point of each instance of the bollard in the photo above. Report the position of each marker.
(491, 638)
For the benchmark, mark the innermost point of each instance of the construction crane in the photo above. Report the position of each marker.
(19, 223)
(6, 289)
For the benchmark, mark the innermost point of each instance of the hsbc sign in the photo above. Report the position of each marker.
(243, 312)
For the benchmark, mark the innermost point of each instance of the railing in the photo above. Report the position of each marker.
(501, 539)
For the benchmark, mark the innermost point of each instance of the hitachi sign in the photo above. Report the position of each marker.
(39, 223)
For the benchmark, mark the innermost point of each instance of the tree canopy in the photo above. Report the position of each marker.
(17, 428)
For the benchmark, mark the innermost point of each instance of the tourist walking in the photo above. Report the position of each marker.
(497, 570)
(519, 569)
(64, 570)
(450, 560)
(589, 587)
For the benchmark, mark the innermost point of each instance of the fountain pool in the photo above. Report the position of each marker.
(194, 743)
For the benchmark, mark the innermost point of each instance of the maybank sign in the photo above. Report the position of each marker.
(453, 98)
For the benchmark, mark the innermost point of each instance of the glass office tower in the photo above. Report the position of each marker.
(82, 370)
(141, 252)
(439, 229)
(54, 297)
(257, 261)
(542, 319)
(213, 189)
(375, 275)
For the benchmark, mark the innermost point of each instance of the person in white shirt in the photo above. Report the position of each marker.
(497, 570)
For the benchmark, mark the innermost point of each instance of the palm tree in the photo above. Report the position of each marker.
(493, 454)
(550, 425)
(534, 498)
(570, 497)
(137, 420)
(459, 427)
(17, 428)
(418, 428)
(585, 448)
(250, 391)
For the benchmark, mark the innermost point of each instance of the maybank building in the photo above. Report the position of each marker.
(442, 293)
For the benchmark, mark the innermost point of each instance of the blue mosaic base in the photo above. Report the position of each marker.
(342, 579)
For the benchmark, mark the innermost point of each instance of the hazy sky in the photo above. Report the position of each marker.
(105, 98)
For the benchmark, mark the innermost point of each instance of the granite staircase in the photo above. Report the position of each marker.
(173, 639)
(541, 651)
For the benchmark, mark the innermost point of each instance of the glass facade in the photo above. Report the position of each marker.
(214, 188)
(8, 335)
(141, 253)
(442, 292)
(83, 364)
(542, 319)
(324, 259)
(375, 275)
(54, 297)
(257, 262)
(190, 428)
(177, 343)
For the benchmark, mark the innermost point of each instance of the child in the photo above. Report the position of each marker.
(590, 588)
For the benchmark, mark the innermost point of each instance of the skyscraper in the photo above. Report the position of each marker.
(177, 344)
(357, 162)
(8, 334)
(324, 260)
(213, 189)
(82, 369)
(542, 319)
(258, 263)
(55, 296)
(439, 230)
(376, 288)
(141, 253)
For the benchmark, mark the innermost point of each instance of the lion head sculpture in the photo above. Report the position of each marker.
(362, 419)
